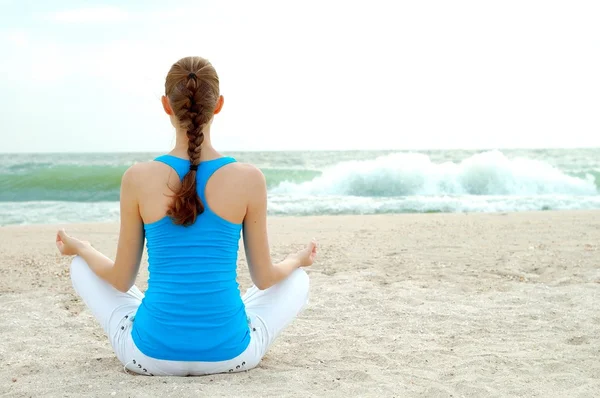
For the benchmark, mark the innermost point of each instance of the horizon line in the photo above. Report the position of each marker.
(316, 150)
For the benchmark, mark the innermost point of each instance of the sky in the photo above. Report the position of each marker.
(87, 76)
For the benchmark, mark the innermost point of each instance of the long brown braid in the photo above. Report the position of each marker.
(192, 87)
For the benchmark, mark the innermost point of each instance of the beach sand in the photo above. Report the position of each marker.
(434, 305)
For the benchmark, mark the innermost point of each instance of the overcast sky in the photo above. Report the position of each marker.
(88, 75)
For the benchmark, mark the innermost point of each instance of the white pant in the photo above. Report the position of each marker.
(269, 312)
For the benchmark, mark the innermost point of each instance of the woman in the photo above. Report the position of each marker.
(190, 206)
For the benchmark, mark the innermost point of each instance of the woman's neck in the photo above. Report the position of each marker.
(181, 146)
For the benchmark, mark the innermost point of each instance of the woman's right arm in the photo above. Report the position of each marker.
(263, 272)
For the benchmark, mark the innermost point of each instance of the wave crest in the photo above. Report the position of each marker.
(409, 174)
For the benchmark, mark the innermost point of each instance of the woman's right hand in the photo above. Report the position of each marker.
(68, 245)
(306, 256)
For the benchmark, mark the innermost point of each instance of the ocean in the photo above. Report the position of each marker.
(67, 188)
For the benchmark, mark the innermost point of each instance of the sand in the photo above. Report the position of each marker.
(433, 305)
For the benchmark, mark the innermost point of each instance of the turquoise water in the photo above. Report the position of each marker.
(57, 188)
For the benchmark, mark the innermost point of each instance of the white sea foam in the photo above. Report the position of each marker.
(312, 205)
(413, 174)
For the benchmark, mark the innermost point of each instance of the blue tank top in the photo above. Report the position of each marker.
(192, 309)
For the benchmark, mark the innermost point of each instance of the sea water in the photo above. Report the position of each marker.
(64, 188)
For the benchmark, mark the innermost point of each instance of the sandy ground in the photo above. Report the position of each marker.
(408, 305)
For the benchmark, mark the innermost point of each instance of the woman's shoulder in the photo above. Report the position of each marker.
(141, 172)
(141, 169)
(248, 173)
(243, 178)
(247, 168)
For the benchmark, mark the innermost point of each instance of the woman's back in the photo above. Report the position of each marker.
(193, 310)
(226, 192)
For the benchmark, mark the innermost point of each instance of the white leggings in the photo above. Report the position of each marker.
(269, 312)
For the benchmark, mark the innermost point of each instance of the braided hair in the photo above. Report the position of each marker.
(192, 87)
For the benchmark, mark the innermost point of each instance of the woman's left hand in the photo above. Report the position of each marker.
(68, 245)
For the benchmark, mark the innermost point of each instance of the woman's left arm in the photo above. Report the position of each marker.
(122, 272)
